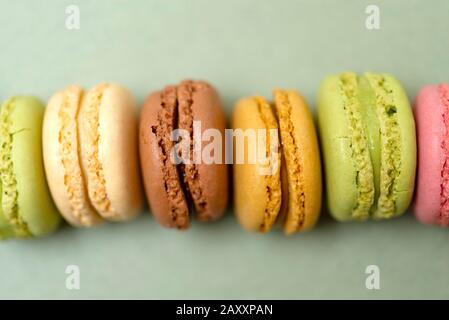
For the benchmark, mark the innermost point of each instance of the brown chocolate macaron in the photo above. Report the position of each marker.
(174, 187)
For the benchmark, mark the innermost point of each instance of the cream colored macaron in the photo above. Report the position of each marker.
(90, 154)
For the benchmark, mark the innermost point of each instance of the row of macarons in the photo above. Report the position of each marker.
(89, 157)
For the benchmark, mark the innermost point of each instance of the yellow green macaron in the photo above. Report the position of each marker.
(26, 208)
(284, 185)
(368, 144)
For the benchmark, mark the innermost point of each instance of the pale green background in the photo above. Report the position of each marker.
(243, 47)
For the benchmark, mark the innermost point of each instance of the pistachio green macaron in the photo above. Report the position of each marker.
(26, 208)
(368, 143)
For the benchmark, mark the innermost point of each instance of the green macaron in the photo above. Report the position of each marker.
(368, 142)
(26, 206)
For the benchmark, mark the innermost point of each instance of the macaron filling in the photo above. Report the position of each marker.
(359, 147)
(444, 204)
(167, 120)
(273, 180)
(185, 92)
(94, 169)
(389, 145)
(296, 206)
(9, 195)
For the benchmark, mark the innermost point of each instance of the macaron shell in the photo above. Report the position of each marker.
(107, 131)
(64, 173)
(428, 112)
(212, 177)
(35, 205)
(341, 189)
(251, 185)
(405, 181)
(152, 164)
(304, 134)
(118, 141)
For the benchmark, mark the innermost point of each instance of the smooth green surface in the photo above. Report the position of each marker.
(406, 177)
(35, 206)
(339, 170)
(243, 47)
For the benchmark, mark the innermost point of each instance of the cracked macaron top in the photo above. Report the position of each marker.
(82, 133)
(26, 208)
(368, 140)
(289, 194)
(177, 178)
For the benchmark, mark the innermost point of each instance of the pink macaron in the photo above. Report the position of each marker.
(432, 122)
